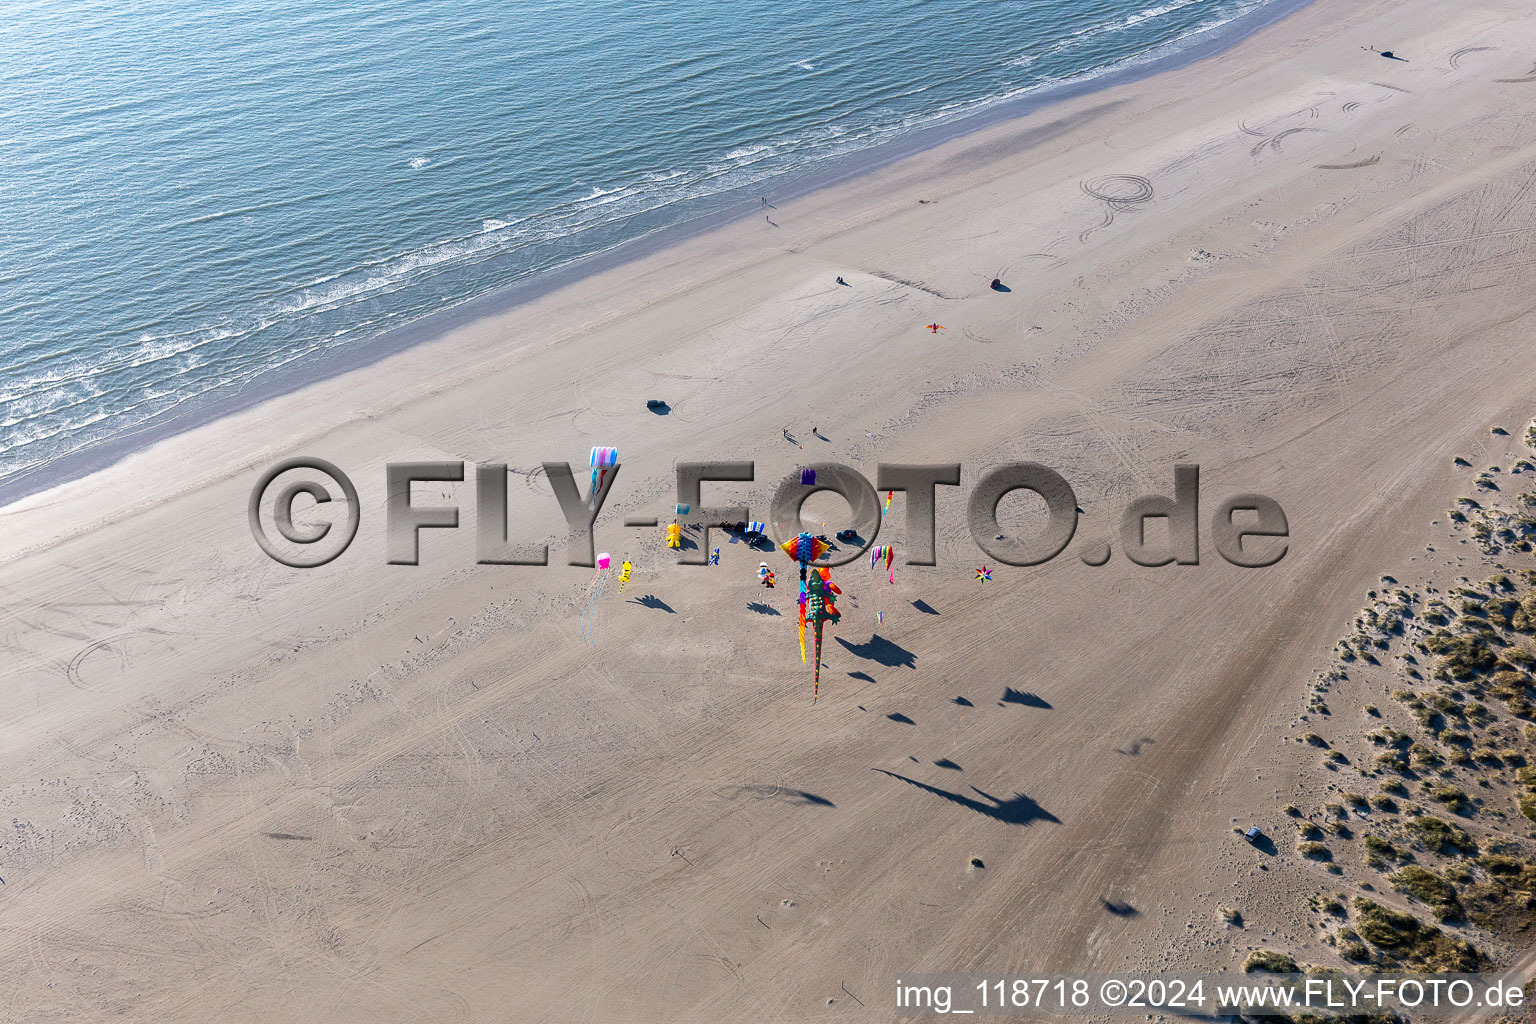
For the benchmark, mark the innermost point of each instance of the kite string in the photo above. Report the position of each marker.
(589, 614)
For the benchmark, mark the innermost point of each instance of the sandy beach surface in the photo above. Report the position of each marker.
(237, 791)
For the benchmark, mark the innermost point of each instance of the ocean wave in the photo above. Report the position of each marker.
(383, 282)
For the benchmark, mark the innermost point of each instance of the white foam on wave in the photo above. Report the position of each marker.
(418, 162)
(153, 348)
(1156, 12)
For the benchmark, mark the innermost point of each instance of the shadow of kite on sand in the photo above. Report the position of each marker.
(882, 652)
(652, 601)
(784, 794)
(1016, 810)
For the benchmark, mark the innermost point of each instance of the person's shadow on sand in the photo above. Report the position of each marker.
(1016, 810)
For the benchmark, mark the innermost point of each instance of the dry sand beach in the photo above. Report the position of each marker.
(237, 791)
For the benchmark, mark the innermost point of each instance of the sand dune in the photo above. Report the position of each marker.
(373, 792)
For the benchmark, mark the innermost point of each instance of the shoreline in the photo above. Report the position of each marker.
(461, 787)
(218, 405)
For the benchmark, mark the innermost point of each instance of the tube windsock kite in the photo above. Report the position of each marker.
(887, 552)
(602, 460)
(594, 595)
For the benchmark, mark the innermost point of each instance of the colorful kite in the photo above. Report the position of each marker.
(714, 557)
(984, 574)
(888, 496)
(602, 459)
(935, 328)
(674, 536)
(594, 595)
(804, 548)
(808, 477)
(624, 571)
(886, 552)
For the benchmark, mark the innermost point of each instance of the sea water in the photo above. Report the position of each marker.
(197, 196)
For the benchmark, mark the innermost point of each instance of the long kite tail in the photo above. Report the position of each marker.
(587, 608)
(816, 678)
(589, 615)
(803, 602)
